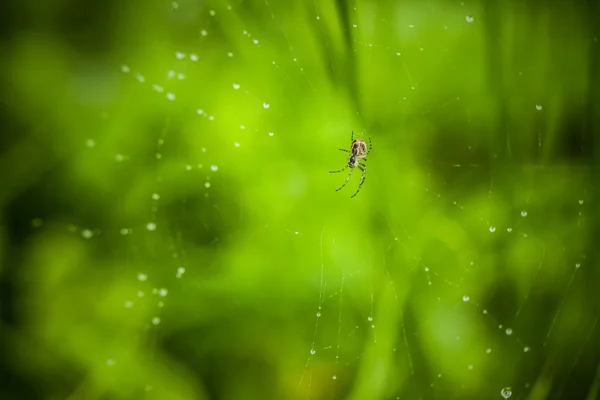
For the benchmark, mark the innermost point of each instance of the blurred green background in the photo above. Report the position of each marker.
(170, 229)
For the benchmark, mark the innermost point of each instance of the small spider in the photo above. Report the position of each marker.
(358, 151)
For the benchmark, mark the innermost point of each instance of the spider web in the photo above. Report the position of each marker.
(461, 270)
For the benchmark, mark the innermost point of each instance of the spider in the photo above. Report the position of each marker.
(358, 151)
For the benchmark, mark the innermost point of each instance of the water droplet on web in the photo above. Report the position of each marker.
(398, 54)
(411, 26)
(580, 201)
(170, 96)
(236, 144)
(194, 57)
(157, 88)
(230, 54)
(142, 277)
(255, 41)
(119, 157)
(140, 78)
(214, 168)
(163, 292)
(175, 5)
(523, 213)
(492, 228)
(469, 19)
(155, 196)
(266, 105)
(488, 351)
(180, 76)
(212, 13)
(312, 351)
(179, 55)
(140, 293)
(124, 231)
(125, 68)
(509, 230)
(180, 272)
(87, 234)
(151, 226)
(128, 304)
(90, 143)
(155, 321)
(538, 107)
(470, 367)
(426, 269)
(577, 266)
(334, 377)
(526, 349)
(203, 32)
(354, 25)
(509, 331)
(188, 167)
(466, 298)
(207, 185)
(370, 319)
(271, 133)
(236, 86)
(110, 362)
(506, 392)
(318, 314)
(319, 18)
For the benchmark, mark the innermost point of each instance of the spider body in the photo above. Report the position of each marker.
(358, 150)
(358, 156)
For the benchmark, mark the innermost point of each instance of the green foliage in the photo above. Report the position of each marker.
(171, 230)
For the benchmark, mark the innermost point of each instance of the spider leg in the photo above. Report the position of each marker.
(347, 151)
(370, 146)
(363, 168)
(339, 170)
(347, 179)
(352, 137)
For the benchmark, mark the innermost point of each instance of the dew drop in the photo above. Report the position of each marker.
(577, 266)
(140, 293)
(255, 41)
(212, 13)
(230, 54)
(90, 143)
(163, 292)
(157, 88)
(506, 392)
(509, 230)
(523, 213)
(318, 314)
(492, 228)
(538, 107)
(335, 376)
(155, 196)
(194, 57)
(526, 349)
(509, 331)
(87, 234)
(142, 277)
(151, 226)
(266, 105)
(125, 68)
(155, 321)
(580, 201)
(488, 351)
(119, 157)
(312, 351)
(370, 319)
(203, 32)
(236, 144)
(236, 86)
(170, 96)
(110, 362)
(271, 133)
(207, 185)
(179, 55)
(214, 168)
(200, 111)
(469, 19)
(140, 78)
(466, 298)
